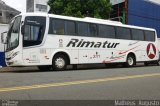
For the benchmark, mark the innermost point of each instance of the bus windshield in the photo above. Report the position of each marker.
(13, 34)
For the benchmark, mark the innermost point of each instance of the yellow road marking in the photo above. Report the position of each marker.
(76, 82)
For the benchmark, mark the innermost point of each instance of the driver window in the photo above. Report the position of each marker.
(33, 30)
(32, 33)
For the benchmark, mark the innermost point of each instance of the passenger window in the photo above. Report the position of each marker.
(70, 28)
(123, 33)
(149, 35)
(106, 31)
(137, 34)
(82, 29)
(56, 27)
(93, 30)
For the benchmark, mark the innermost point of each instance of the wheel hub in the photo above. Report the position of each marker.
(130, 61)
(60, 63)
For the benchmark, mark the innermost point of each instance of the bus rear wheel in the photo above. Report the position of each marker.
(131, 61)
(59, 62)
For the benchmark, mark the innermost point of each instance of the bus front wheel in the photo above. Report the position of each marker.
(59, 62)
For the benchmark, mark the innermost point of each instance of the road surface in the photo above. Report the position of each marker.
(116, 83)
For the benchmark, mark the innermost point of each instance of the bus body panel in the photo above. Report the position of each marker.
(87, 53)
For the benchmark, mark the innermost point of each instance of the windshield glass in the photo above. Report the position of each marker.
(13, 34)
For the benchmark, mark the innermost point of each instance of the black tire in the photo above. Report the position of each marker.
(130, 61)
(59, 62)
(146, 63)
(44, 68)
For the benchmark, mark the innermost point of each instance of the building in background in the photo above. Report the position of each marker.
(119, 10)
(143, 13)
(37, 6)
(114, 2)
(7, 13)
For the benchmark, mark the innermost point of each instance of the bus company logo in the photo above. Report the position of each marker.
(151, 51)
(91, 44)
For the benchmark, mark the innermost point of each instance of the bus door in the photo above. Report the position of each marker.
(33, 34)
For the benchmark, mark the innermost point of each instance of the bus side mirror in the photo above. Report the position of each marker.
(4, 37)
(22, 30)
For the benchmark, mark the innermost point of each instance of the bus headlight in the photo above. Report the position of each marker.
(12, 56)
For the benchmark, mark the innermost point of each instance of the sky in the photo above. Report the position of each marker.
(21, 4)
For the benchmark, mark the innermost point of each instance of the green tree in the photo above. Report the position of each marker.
(81, 8)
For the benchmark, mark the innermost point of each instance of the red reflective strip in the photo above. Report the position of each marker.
(128, 50)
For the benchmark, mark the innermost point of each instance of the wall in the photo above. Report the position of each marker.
(7, 13)
(144, 13)
(3, 28)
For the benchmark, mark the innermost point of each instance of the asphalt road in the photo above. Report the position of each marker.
(114, 83)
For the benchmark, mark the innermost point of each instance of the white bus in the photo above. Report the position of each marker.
(54, 41)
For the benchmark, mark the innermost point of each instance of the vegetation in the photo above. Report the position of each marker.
(81, 8)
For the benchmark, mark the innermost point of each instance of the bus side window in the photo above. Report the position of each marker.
(82, 29)
(56, 26)
(93, 30)
(137, 34)
(70, 28)
(149, 35)
(106, 31)
(123, 33)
